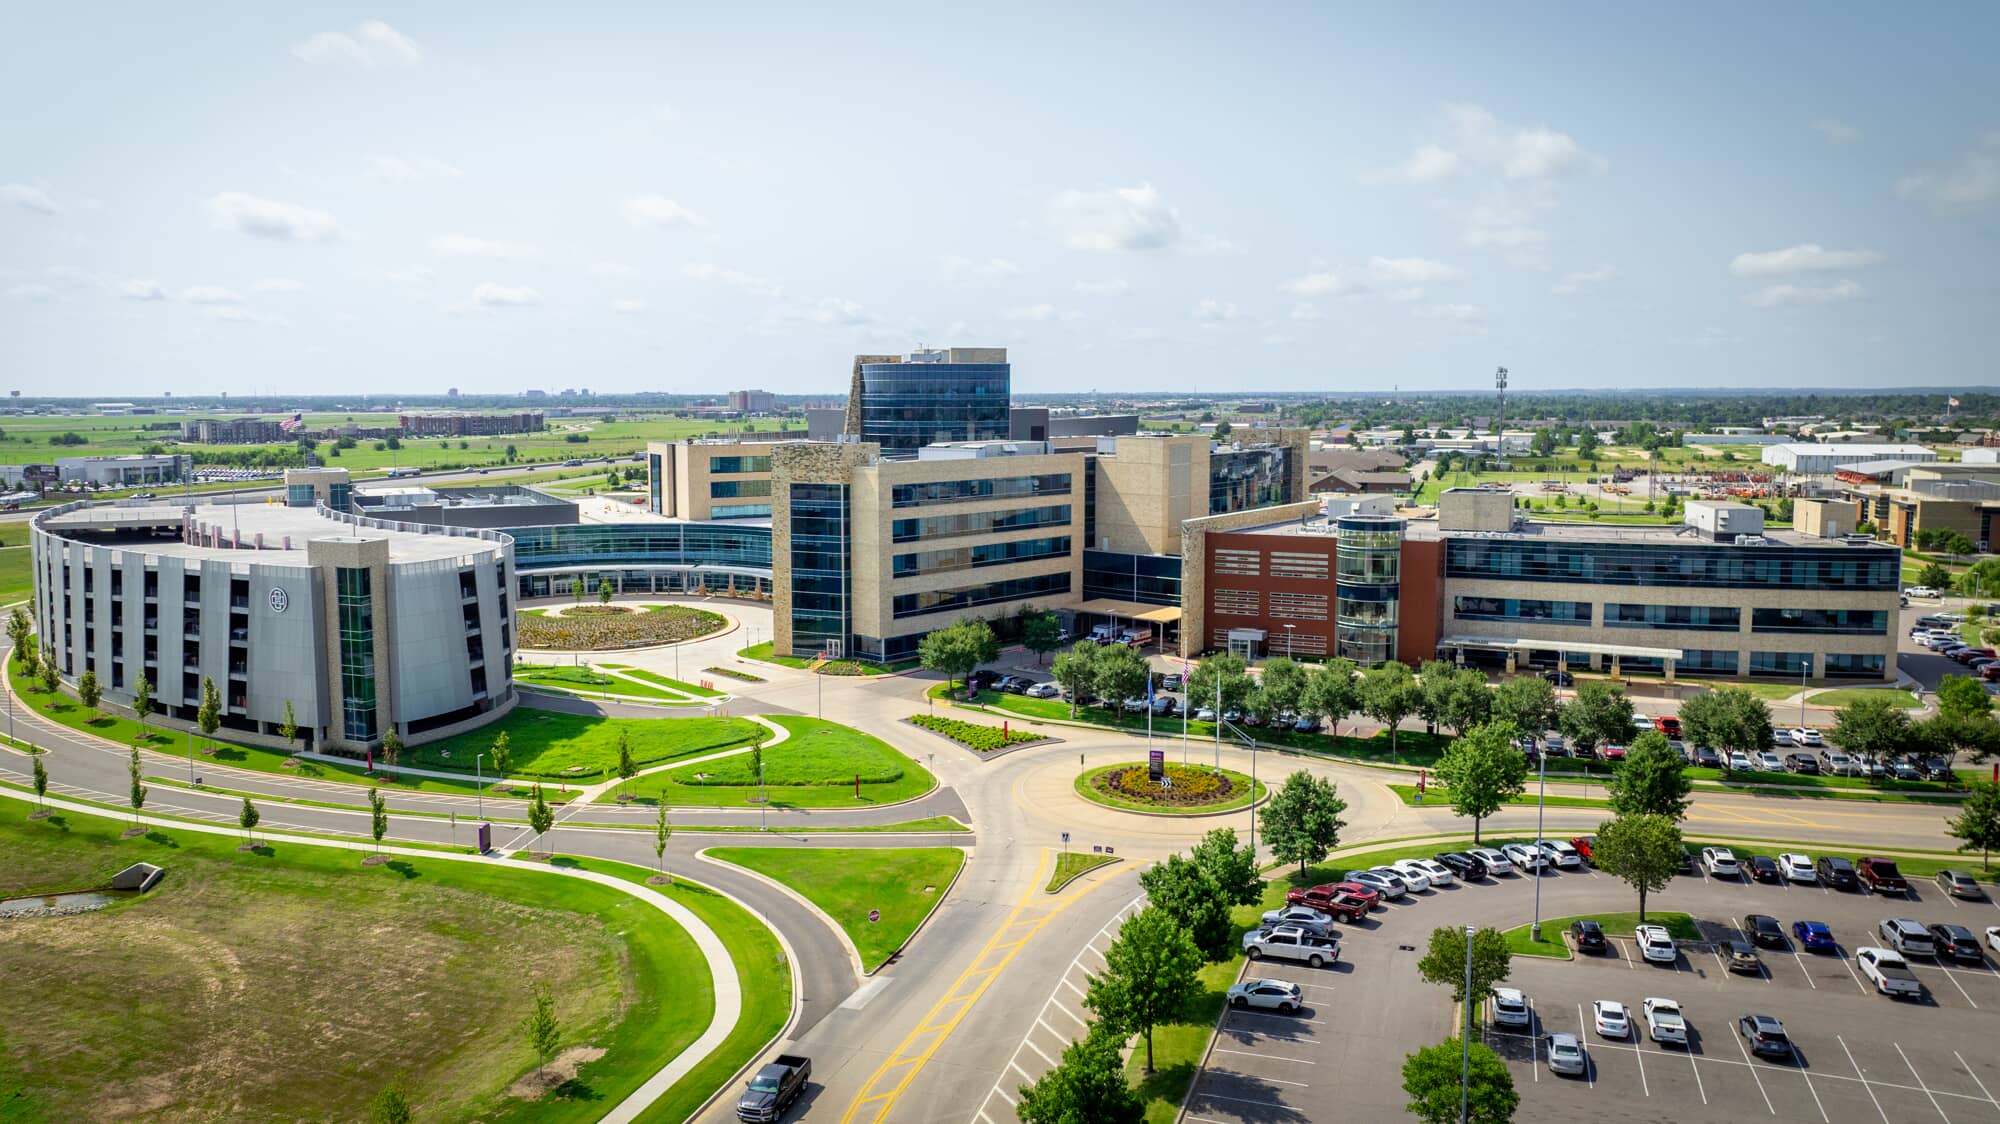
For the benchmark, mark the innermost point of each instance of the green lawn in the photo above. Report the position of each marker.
(1437, 798)
(1072, 864)
(588, 681)
(1519, 938)
(552, 744)
(932, 824)
(1848, 696)
(765, 653)
(814, 768)
(670, 682)
(17, 573)
(195, 1027)
(904, 883)
(1769, 692)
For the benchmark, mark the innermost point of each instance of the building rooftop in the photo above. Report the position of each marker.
(1426, 530)
(284, 531)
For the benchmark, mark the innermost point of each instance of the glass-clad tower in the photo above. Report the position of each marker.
(1367, 586)
(956, 394)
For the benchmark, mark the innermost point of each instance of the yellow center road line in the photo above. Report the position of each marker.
(934, 1026)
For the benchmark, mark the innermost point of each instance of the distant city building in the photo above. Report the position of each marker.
(471, 425)
(534, 394)
(127, 471)
(502, 507)
(233, 431)
(1813, 459)
(753, 401)
(451, 393)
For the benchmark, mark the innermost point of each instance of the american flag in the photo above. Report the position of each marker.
(293, 422)
(1954, 402)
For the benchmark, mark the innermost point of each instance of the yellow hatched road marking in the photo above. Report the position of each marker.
(931, 1024)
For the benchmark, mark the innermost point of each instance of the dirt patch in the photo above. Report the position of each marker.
(375, 860)
(535, 856)
(659, 880)
(41, 815)
(560, 1070)
(133, 832)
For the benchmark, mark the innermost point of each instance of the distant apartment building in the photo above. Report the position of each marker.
(753, 401)
(471, 425)
(232, 431)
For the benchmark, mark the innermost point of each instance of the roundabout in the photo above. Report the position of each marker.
(1188, 790)
(609, 628)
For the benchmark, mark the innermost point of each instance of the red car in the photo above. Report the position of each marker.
(1614, 753)
(1668, 725)
(1583, 844)
(1346, 900)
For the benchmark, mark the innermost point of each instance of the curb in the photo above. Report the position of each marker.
(1059, 887)
(982, 754)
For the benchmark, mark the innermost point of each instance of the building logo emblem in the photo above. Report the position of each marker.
(280, 600)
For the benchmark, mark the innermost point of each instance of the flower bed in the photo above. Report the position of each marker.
(1191, 788)
(742, 675)
(972, 735)
(578, 630)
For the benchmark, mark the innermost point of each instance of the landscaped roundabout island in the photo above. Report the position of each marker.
(1188, 790)
(604, 628)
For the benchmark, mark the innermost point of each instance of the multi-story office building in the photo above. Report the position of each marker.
(753, 401)
(359, 628)
(720, 479)
(932, 396)
(232, 431)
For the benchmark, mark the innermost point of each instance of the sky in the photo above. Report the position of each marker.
(695, 198)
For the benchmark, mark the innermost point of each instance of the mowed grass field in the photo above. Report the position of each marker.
(248, 985)
(816, 767)
(904, 883)
(548, 743)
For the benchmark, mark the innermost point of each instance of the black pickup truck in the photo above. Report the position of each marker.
(773, 1089)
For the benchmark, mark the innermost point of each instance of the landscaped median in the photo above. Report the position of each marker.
(901, 884)
(590, 682)
(1520, 939)
(972, 735)
(603, 628)
(1072, 865)
(1191, 790)
(819, 765)
(765, 653)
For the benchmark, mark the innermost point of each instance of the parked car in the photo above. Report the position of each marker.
(1305, 724)
(1496, 862)
(1205, 714)
(1562, 854)
(1707, 758)
(1270, 995)
(1993, 937)
(1807, 736)
(1289, 942)
(1906, 770)
(1798, 867)
(1739, 761)
(1390, 887)
(1043, 691)
(1906, 936)
(1959, 884)
(1566, 1055)
(1555, 745)
(1720, 862)
(1165, 706)
(1956, 942)
(1768, 761)
(1585, 845)
(1510, 1007)
(1015, 684)
(1614, 753)
(1559, 678)
(1524, 857)
(1396, 876)
(1741, 956)
(1349, 901)
(1764, 868)
(1782, 736)
(1804, 764)
(1765, 1035)
(1418, 881)
(1889, 973)
(1588, 936)
(1921, 591)
(1656, 944)
(1835, 762)
(1611, 1019)
(1881, 876)
(1764, 930)
(1814, 936)
(1305, 917)
(1468, 867)
(1837, 873)
(982, 679)
(1641, 723)
(1437, 872)
(1665, 1022)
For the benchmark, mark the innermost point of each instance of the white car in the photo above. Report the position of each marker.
(1562, 853)
(1780, 736)
(1305, 917)
(1566, 1054)
(1664, 1021)
(1510, 1007)
(1798, 867)
(1043, 691)
(1386, 887)
(1720, 862)
(1437, 872)
(1807, 736)
(1920, 591)
(1496, 863)
(1418, 881)
(1611, 1018)
(1739, 761)
(1524, 857)
(1769, 762)
(1993, 937)
(1272, 995)
(1656, 944)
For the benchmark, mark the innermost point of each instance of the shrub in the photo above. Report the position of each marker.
(972, 735)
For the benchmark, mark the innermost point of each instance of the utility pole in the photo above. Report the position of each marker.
(1465, 1035)
(1500, 423)
(1541, 799)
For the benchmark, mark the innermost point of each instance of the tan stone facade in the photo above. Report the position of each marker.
(1151, 485)
(688, 471)
(801, 463)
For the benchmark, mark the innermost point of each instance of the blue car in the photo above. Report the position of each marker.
(1814, 936)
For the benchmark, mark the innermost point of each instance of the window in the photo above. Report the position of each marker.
(1237, 602)
(1151, 579)
(734, 489)
(724, 466)
(1779, 663)
(905, 406)
(963, 597)
(738, 510)
(1293, 564)
(1865, 622)
(819, 567)
(985, 554)
(1673, 564)
(1520, 609)
(1241, 563)
(1852, 665)
(1706, 661)
(1298, 606)
(992, 488)
(1691, 618)
(356, 612)
(979, 523)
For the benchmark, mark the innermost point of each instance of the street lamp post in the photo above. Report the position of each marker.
(1804, 665)
(479, 785)
(1541, 799)
(1288, 640)
(1465, 1035)
(190, 756)
(763, 801)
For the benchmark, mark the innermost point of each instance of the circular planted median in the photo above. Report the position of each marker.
(1190, 790)
(603, 628)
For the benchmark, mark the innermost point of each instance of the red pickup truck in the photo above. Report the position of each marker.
(1334, 899)
(1881, 876)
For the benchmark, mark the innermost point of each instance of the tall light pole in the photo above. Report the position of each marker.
(1465, 1034)
(1500, 423)
(1288, 640)
(1541, 799)
(479, 785)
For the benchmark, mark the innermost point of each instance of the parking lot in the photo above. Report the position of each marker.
(1857, 1056)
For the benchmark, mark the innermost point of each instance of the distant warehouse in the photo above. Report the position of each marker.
(1814, 459)
(471, 425)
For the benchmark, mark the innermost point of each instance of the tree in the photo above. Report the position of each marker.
(1431, 1078)
(576, 590)
(392, 747)
(378, 817)
(1283, 683)
(1076, 671)
(50, 671)
(1462, 699)
(40, 780)
(1977, 825)
(1935, 576)
(1041, 634)
(627, 768)
(142, 702)
(662, 831)
(1483, 770)
(391, 1106)
(1087, 1086)
(1529, 702)
(541, 1029)
(512, 452)
(1945, 735)
(19, 630)
(1600, 715)
(757, 765)
(1330, 693)
(1645, 850)
(247, 818)
(1185, 891)
(1302, 821)
(209, 715)
(1444, 961)
(1962, 696)
(1873, 725)
(540, 816)
(604, 591)
(1652, 780)
(1389, 694)
(501, 754)
(1233, 868)
(1943, 540)
(1727, 718)
(1228, 672)
(959, 647)
(1122, 673)
(1222, 431)
(89, 693)
(1151, 973)
(289, 728)
(138, 792)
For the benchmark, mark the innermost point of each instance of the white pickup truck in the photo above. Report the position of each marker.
(1888, 972)
(1289, 942)
(1665, 1022)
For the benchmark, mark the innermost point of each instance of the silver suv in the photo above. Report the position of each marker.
(1907, 937)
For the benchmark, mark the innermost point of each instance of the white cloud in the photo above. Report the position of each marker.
(269, 218)
(32, 291)
(467, 246)
(616, 271)
(277, 285)
(211, 294)
(967, 271)
(1412, 293)
(1212, 312)
(1530, 153)
(1112, 287)
(407, 169)
(1126, 219)
(1503, 226)
(1411, 270)
(628, 307)
(1577, 282)
(1971, 183)
(372, 44)
(1320, 283)
(1306, 310)
(1781, 296)
(34, 198)
(1038, 312)
(1807, 257)
(1837, 131)
(139, 289)
(1277, 339)
(1428, 164)
(835, 310)
(489, 295)
(1459, 313)
(408, 276)
(735, 279)
(659, 212)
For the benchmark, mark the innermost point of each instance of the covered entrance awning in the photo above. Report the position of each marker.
(1577, 646)
(1131, 610)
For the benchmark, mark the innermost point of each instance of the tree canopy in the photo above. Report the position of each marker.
(1151, 974)
(1389, 694)
(1872, 724)
(1482, 770)
(1087, 1086)
(1599, 715)
(1184, 890)
(1443, 962)
(1529, 702)
(1302, 820)
(1726, 718)
(958, 647)
(1431, 1078)
(1643, 850)
(1652, 779)
(1977, 825)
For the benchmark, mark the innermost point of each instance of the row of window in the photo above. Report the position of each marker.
(985, 554)
(1520, 609)
(725, 466)
(979, 523)
(1689, 618)
(990, 488)
(1150, 579)
(1717, 566)
(966, 597)
(738, 489)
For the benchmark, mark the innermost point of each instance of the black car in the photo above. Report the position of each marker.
(1764, 868)
(1767, 931)
(1463, 865)
(1765, 1034)
(1804, 764)
(1707, 758)
(1837, 873)
(982, 679)
(1687, 861)
(1015, 684)
(1589, 936)
(1559, 678)
(1957, 942)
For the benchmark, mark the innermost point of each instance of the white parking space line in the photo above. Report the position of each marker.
(1864, 1077)
(1079, 991)
(1975, 1078)
(1736, 1035)
(1245, 1100)
(1845, 963)
(1039, 1052)
(1080, 1020)
(1060, 1036)
(1641, 1056)
(1269, 1057)
(1696, 1066)
(1801, 1064)
(1920, 1082)
(1255, 1077)
(1583, 1035)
